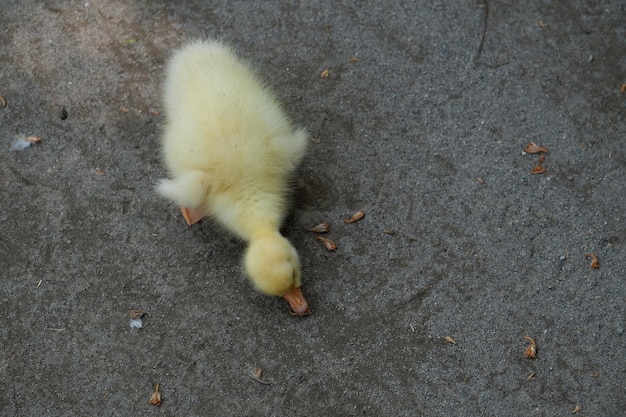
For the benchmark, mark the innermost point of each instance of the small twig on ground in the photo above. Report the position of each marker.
(483, 32)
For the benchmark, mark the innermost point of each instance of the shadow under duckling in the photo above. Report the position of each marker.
(231, 150)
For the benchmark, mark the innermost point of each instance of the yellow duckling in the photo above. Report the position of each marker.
(230, 151)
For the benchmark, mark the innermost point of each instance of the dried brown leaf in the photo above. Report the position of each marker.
(622, 88)
(531, 376)
(576, 409)
(532, 147)
(595, 264)
(137, 314)
(257, 374)
(538, 169)
(3, 102)
(330, 245)
(355, 217)
(32, 139)
(531, 350)
(325, 73)
(320, 228)
(155, 399)
(450, 340)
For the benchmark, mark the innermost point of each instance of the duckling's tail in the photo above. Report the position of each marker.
(190, 189)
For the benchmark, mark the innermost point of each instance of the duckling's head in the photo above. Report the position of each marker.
(273, 266)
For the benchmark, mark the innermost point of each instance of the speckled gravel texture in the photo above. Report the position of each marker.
(421, 122)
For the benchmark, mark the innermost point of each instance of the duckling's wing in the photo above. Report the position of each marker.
(189, 189)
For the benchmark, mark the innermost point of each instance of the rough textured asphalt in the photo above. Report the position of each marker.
(421, 122)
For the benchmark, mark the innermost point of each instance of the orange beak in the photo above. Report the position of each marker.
(299, 306)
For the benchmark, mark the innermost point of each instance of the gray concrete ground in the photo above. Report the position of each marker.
(421, 123)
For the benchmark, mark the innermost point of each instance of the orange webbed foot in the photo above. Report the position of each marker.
(193, 215)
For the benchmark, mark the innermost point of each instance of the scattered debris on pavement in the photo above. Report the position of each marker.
(320, 228)
(450, 340)
(330, 245)
(595, 264)
(155, 399)
(257, 376)
(355, 217)
(136, 318)
(531, 350)
(22, 141)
